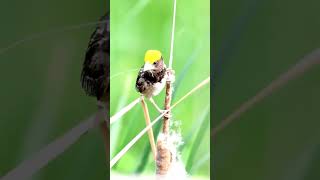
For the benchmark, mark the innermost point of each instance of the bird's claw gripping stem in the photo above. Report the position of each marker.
(170, 75)
(156, 106)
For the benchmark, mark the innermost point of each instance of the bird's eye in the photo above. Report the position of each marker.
(154, 63)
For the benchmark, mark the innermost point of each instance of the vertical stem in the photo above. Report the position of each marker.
(167, 104)
(150, 131)
(164, 155)
(172, 32)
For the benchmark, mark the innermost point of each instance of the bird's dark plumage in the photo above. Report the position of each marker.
(151, 82)
(146, 79)
(95, 72)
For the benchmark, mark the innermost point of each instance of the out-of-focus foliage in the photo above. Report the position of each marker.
(137, 26)
(255, 42)
(41, 96)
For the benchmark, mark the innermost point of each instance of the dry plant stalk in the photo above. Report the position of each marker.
(167, 103)
(123, 111)
(164, 155)
(150, 131)
(164, 158)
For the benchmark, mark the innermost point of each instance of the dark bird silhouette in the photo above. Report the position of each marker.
(95, 72)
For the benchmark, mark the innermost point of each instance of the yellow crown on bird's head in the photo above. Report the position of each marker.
(152, 56)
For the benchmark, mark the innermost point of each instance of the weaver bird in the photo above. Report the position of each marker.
(95, 72)
(150, 82)
(153, 75)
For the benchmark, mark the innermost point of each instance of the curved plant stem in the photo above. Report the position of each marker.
(30, 166)
(297, 70)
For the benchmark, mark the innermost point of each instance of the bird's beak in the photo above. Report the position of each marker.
(147, 66)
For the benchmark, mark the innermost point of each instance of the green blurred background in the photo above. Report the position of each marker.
(137, 26)
(41, 97)
(255, 41)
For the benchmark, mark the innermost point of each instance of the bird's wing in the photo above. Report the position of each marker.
(148, 78)
(95, 72)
